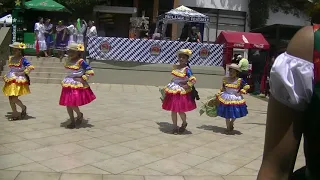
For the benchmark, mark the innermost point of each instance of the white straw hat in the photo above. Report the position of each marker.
(234, 66)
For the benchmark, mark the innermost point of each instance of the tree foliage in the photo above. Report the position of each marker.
(6, 5)
(259, 9)
(78, 6)
(295, 6)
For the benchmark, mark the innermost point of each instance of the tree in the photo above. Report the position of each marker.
(259, 9)
(6, 5)
(296, 6)
(78, 6)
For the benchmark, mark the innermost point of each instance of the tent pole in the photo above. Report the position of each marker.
(208, 33)
(157, 27)
(164, 28)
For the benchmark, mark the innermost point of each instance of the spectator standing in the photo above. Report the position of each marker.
(91, 32)
(49, 36)
(91, 29)
(72, 32)
(40, 43)
(193, 35)
(244, 67)
(257, 71)
(61, 39)
(235, 59)
(81, 28)
(156, 35)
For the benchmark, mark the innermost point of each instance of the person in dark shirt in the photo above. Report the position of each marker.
(235, 59)
(184, 33)
(193, 36)
(257, 71)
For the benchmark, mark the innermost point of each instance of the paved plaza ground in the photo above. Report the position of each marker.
(126, 136)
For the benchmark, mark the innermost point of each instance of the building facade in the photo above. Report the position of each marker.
(232, 15)
(229, 15)
(113, 16)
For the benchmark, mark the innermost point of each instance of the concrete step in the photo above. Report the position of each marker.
(45, 80)
(35, 79)
(53, 62)
(51, 70)
(46, 59)
(46, 75)
(43, 69)
(47, 64)
(49, 75)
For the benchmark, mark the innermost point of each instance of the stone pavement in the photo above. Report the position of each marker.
(126, 137)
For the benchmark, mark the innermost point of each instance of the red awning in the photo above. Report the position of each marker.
(244, 40)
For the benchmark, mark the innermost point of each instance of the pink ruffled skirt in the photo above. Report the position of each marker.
(76, 96)
(178, 102)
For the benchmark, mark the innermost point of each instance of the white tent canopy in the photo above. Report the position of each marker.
(6, 19)
(184, 14)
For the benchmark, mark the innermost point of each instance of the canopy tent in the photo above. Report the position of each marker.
(182, 14)
(244, 40)
(45, 5)
(6, 19)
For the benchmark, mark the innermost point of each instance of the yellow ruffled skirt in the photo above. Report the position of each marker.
(13, 89)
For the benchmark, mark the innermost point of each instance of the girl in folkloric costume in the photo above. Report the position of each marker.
(75, 88)
(178, 93)
(40, 44)
(17, 80)
(231, 102)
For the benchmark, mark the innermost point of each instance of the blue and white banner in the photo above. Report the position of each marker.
(153, 51)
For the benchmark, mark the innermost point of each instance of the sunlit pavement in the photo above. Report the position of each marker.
(126, 136)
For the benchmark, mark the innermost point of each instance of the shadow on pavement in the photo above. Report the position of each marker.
(9, 115)
(84, 124)
(167, 128)
(220, 130)
(260, 124)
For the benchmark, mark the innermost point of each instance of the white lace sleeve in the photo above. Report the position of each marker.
(71, 29)
(291, 81)
(36, 27)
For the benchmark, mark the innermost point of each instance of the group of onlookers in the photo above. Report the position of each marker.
(60, 35)
(260, 71)
(190, 34)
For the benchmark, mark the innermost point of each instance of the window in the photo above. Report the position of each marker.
(223, 20)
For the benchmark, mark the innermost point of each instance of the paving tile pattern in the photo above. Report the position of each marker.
(126, 136)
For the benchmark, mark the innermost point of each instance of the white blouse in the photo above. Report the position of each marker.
(291, 81)
(91, 31)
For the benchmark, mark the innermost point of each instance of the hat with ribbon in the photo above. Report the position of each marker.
(18, 45)
(187, 52)
(76, 47)
(234, 66)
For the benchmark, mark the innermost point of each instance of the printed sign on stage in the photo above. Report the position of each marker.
(153, 51)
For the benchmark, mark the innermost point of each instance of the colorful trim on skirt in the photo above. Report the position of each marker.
(14, 89)
(178, 102)
(232, 111)
(76, 96)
